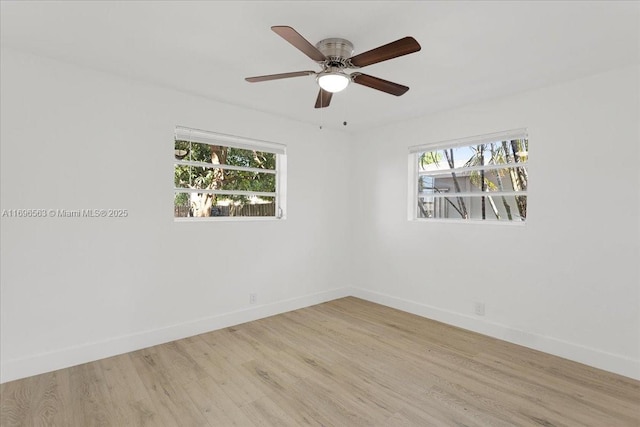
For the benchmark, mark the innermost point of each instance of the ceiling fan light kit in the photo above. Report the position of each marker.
(334, 55)
(333, 81)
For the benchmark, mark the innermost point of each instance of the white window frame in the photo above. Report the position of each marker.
(415, 173)
(233, 141)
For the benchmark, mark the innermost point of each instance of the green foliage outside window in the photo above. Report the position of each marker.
(212, 178)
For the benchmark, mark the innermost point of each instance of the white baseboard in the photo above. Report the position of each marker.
(46, 362)
(589, 356)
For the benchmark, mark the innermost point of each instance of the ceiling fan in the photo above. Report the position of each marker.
(334, 56)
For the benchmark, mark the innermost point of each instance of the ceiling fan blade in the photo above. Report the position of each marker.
(391, 50)
(279, 76)
(324, 98)
(293, 37)
(379, 84)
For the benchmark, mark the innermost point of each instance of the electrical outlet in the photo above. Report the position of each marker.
(253, 298)
(479, 308)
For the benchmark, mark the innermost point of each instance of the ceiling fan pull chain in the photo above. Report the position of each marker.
(345, 110)
(321, 112)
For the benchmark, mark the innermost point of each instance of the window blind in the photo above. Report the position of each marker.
(213, 138)
(473, 140)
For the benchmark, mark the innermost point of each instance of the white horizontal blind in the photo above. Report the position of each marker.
(463, 170)
(472, 140)
(213, 138)
(225, 192)
(472, 194)
(223, 166)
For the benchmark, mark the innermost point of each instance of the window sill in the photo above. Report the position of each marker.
(469, 221)
(228, 219)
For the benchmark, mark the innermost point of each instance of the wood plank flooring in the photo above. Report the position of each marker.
(347, 362)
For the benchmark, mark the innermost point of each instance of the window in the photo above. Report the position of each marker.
(482, 178)
(218, 176)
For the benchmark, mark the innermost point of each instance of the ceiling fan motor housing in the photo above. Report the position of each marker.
(336, 50)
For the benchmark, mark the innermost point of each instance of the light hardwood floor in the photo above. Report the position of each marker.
(343, 363)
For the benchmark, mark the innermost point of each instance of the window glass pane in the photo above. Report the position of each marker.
(494, 153)
(252, 159)
(500, 179)
(210, 205)
(223, 179)
(198, 152)
(444, 159)
(491, 208)
(249, 181)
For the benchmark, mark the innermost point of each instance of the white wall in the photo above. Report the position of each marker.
(76, 289)
(568, 281)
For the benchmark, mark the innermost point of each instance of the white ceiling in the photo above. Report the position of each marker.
(471, 51)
